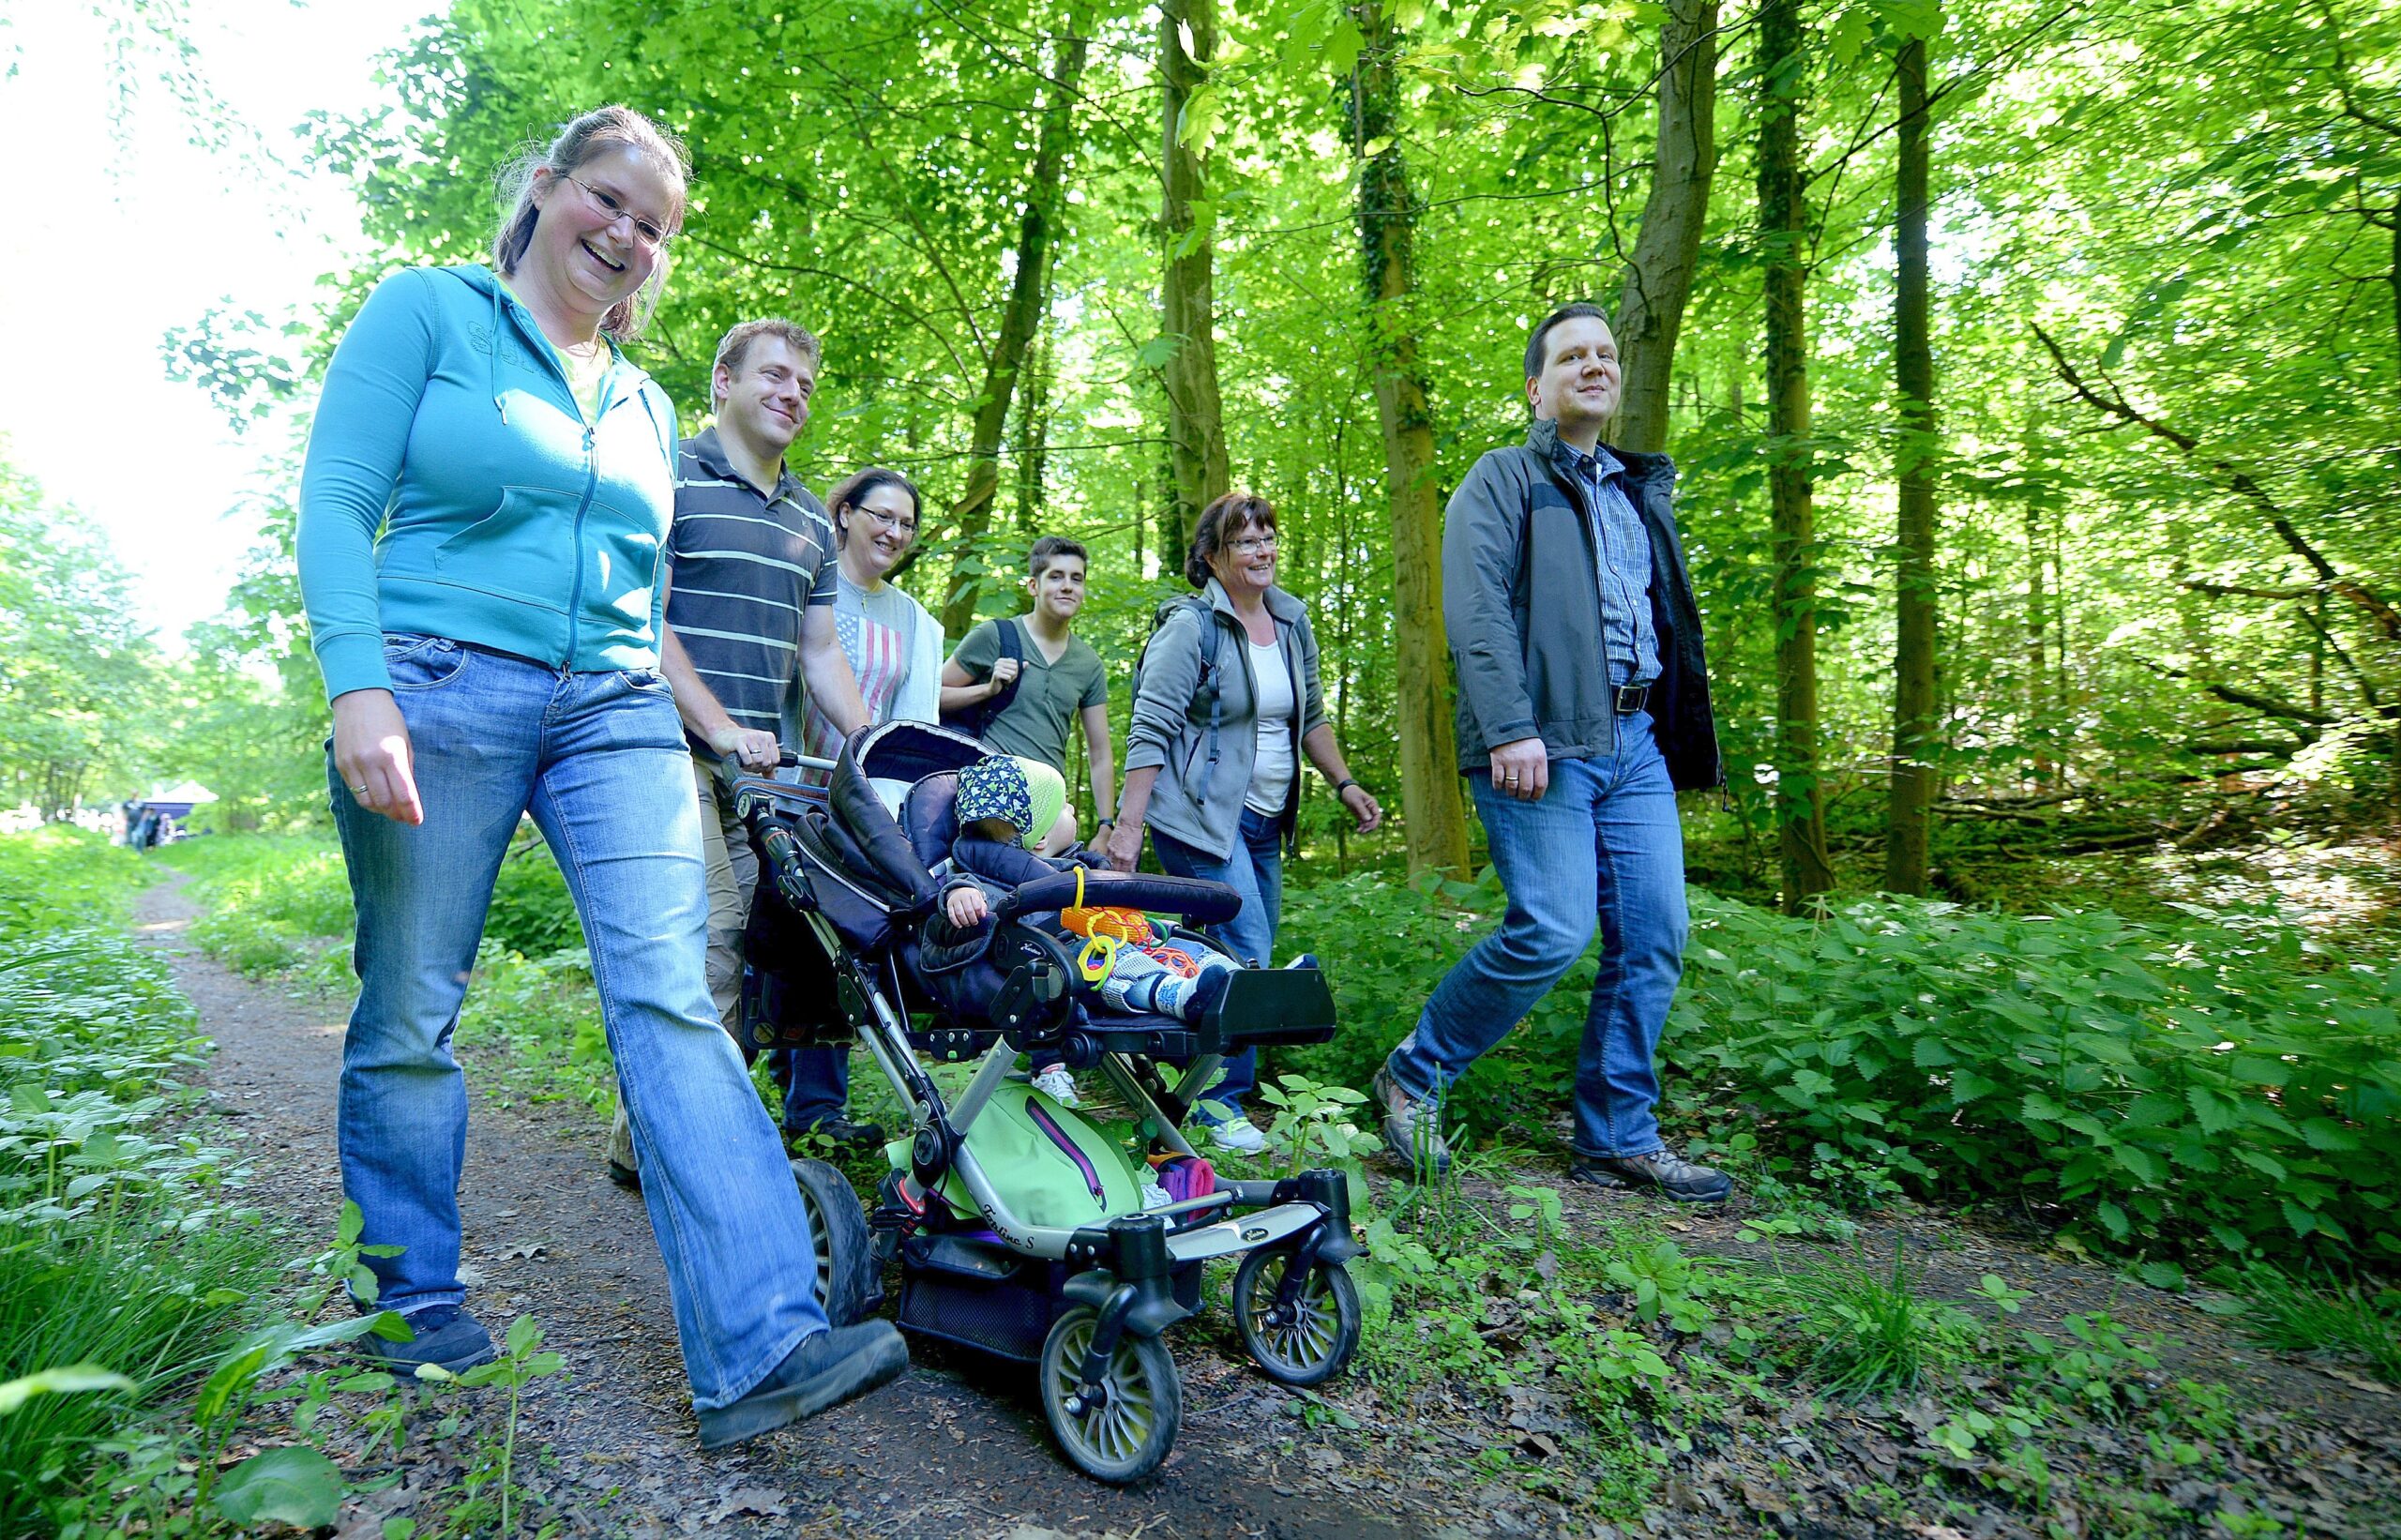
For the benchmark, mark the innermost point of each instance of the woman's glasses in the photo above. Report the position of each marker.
(1257, 545)
(900, 523)
(648, 234)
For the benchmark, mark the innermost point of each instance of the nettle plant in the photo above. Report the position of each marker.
(2209, 1085)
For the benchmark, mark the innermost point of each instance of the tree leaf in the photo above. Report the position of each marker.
(2216, 1112)
(289, 1485)
(59, 1381)
(2328, 1135)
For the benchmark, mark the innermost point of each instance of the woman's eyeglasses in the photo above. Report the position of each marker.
(647, 233)
(900, 523)
(1255, 546)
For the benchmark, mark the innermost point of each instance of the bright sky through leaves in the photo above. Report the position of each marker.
(118, 232)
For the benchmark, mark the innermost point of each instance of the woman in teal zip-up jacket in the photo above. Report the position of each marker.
(483, 518)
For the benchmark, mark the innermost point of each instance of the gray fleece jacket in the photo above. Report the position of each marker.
(1191, 802)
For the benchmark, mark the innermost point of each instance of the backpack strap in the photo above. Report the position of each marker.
(975, 719)
(1212, 638)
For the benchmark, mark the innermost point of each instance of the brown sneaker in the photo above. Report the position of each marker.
(1413, 1126)
(1664, 1169)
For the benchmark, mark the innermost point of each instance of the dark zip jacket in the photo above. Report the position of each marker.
(1521, 599)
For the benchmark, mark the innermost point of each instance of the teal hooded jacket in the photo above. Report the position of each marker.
(454, 488)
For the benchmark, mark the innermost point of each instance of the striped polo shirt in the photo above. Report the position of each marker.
(746, 567)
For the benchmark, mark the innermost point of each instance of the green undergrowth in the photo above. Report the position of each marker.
(170, 1363)
(2214, 1087)
(126, 1268)
(1606, 1361)
(2337, 1318)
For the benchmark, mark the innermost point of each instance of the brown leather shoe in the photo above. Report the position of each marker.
(1663, 1169)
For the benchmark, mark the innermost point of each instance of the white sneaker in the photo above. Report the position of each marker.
(1240, 1135)
(1060, 1086)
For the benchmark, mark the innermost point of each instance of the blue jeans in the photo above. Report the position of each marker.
(1622, 807)
(599, 760)
(816, 1083)
(1254, 870)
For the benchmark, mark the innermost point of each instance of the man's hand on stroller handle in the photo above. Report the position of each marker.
(746, 747)
(735, 764)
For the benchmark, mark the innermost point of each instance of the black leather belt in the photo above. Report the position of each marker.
(1632, 698)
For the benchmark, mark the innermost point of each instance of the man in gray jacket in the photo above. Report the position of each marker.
(1583, 709)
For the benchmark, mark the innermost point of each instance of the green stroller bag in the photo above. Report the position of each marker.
(1049, 1165)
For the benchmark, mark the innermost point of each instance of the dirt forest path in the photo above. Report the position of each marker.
(955, 1448)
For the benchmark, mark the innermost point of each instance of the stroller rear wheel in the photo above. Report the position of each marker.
(1121, 1435)
(848, 1281)
(1308, 1341)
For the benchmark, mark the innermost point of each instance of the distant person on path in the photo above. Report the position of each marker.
(1044, 677)
(749, 615)
(893, 647)
(483, 521)
(1583, 709)
(1225, 704)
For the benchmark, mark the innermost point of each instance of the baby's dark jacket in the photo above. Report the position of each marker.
(998, 869)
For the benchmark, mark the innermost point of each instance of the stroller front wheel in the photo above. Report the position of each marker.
(847, 1280)
(1307, 1341)
(1121, 1435)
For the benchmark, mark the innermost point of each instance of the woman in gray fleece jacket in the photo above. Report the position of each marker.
(1225, 704)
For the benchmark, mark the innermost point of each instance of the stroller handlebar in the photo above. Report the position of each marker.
(1195, 898)
(734, 769)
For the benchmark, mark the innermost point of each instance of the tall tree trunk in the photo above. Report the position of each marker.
(1195, 415)
(1033, 440)
(1430, 782)
(970, 516)
(2038, 611)
(2317, 654)
(1916, 731)
(1784, 233)
(1659, 276)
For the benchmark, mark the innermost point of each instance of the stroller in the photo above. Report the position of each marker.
(1019, 1225)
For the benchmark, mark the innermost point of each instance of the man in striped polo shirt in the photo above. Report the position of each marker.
(749, 614)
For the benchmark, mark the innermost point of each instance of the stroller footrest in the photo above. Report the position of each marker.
(1266, 1006)
(1243, 1232)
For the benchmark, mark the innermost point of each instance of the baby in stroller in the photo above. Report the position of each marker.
(1002, 803)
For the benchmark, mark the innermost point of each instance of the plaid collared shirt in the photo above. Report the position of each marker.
(1629, 640)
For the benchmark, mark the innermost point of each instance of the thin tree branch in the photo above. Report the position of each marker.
(2115, 404)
